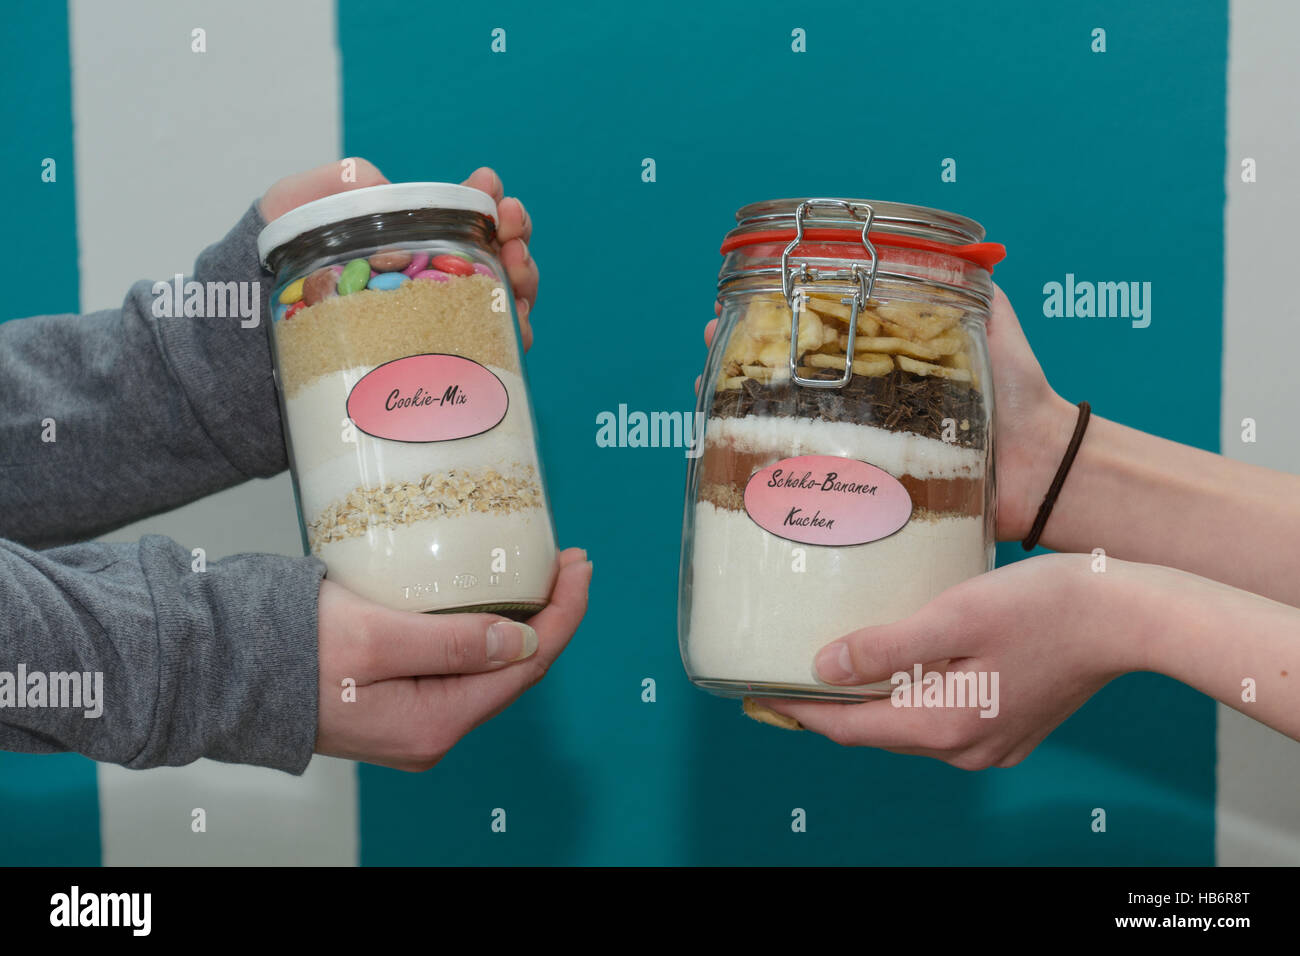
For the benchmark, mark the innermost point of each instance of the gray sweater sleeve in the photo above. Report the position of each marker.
(147, 412)
(172, 663)
(110, 417)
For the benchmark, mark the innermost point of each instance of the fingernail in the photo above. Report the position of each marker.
(835, 665)
(521, 308)
(528, 256)
(508, 641)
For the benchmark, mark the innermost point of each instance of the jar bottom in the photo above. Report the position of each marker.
(736, 688)
(515, 610)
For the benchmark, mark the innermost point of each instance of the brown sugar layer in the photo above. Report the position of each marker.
(723, 495)
(448, 494)
(370, 327)
(900, 401)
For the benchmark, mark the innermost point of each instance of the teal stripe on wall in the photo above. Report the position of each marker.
(49, 805)
(41, 216)
(1108, 166)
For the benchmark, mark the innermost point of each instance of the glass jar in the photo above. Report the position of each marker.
(845, 475)
(410, 431)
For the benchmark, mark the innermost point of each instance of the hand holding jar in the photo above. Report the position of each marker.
(846, 469)
(407, 414)
(1043, 635)
(396, 688)
(400, 689)
(1047, 633)
(514, 225)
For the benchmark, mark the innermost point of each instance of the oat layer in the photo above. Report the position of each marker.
(447, 494)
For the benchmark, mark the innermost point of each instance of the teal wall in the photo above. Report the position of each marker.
(55, 798)
(1110, 166)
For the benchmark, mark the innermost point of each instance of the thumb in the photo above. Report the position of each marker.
(405, 644)
(301, 188)
(875, 653)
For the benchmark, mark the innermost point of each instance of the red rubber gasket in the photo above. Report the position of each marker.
(983, 254)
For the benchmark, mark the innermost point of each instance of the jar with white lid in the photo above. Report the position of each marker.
(846, 470)
(410, 431)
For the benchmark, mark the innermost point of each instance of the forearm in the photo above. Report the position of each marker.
(218, 663)
(1239, 648)
(110, 417)
(1145, 499)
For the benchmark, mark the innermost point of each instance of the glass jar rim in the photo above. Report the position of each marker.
(922, 222)
(831, 238)
(371, 200)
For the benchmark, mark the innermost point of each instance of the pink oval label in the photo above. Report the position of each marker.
(822, 499)
(424, 398)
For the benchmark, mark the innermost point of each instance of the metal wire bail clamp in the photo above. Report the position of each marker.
(798, 281)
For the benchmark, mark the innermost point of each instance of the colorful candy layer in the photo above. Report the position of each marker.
(383, 271)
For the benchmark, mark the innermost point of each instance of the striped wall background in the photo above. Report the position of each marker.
(1121, 165)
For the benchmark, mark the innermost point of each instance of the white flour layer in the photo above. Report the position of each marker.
(899, 453)
(318, 412)
(446, 563)
(438, 562)
(755, 619)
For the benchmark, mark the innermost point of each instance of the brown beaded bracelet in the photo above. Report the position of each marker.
(1045, 509)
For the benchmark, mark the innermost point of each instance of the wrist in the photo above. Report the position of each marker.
(1031, 463)
(1146, 617)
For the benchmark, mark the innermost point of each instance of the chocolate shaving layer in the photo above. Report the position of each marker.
(900, 401)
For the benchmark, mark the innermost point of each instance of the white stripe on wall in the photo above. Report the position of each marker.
(1259, 770)
(171, 147)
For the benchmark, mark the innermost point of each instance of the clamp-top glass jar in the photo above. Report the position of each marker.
(410, 431)
(846, 473)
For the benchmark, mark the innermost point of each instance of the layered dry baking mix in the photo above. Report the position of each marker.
(913, 407)
(414, 524)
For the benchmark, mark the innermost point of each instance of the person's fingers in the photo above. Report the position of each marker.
(698, 379)
(312, 184)
(513, 221)
(522, 309)
(933, 633)
(557, 622)
(1002, 314)
(514, 230)
(485, 179)
(554, 625)
(404, 644)
(410, 723)
(877, 723)
(717, 307)
(1011, 354)
(473, 699)
(709, 331)
(521, 269)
